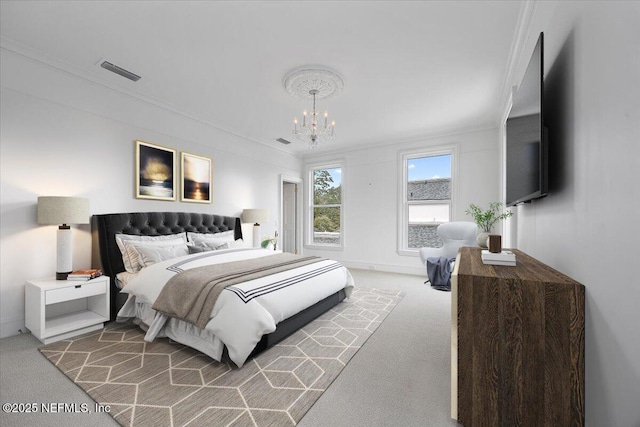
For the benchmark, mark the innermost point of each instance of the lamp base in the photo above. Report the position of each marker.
(256, 235)
(64, 252)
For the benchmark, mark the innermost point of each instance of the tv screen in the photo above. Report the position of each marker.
(526, 150)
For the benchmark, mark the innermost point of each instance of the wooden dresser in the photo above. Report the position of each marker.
(517, 344)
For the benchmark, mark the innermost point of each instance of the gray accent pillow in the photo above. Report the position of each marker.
(193, 249)
(214, 246)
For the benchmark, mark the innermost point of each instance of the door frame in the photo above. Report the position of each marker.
(285, 179)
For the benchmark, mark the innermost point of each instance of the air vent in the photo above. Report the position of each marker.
(283, 141)
(120, 71)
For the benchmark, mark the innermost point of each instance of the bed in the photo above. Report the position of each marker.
(278, 317)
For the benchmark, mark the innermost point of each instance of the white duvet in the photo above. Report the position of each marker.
(243, 312)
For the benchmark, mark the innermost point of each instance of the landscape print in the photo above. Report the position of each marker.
(197, 173)
(155, 172)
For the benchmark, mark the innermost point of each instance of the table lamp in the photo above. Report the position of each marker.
(256, 216)
(62, 211)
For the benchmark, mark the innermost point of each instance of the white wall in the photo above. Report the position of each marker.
(371, 185)
(64, 135)
(589, 225)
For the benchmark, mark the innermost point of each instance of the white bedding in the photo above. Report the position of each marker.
(243, 312)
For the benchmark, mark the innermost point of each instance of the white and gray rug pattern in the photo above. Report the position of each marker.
(166, 383)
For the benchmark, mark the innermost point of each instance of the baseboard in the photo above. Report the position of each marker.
(10, 329)
(387, 268)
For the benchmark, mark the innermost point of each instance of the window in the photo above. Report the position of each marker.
(326, 213)
(427, 195)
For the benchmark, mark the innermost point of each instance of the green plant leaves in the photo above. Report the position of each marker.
(486, 219)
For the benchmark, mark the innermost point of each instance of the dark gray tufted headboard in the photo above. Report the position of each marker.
(150, 224)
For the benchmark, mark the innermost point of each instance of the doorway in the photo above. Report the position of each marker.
(290, 215)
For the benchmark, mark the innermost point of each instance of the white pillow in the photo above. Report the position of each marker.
(238, 244)
(225, 236)
(131, 256)
(121, 238)
(151, 254)
(123, 278)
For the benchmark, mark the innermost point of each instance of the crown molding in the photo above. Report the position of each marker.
(37, 56)
(527, 12)
(400, 141)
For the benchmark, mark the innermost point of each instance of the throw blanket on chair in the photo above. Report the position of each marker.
(439, 272)
(191, 294)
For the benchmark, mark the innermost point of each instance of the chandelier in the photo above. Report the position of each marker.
(314, 129)
(312, 82)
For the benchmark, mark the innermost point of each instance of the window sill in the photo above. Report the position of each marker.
(317, 247)
(409, 252)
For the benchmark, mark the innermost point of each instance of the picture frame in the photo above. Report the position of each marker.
(155, 173)
(197, 178)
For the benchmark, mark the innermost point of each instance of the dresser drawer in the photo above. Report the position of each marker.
(83, 290)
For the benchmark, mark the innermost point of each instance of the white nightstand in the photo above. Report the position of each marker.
(59, 309)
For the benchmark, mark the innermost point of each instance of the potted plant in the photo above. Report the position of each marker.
(267, 241)
(485, 219)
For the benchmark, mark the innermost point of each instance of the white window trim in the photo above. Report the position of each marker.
(308, 238)
(403, 209)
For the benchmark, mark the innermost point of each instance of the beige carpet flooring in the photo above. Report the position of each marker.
(166, 383)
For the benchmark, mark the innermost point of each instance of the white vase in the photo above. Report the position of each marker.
(483, 236)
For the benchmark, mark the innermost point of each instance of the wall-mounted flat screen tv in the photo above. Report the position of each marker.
(526, 150)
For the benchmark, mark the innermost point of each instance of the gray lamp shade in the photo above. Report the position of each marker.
(255, 216)
(54, 210)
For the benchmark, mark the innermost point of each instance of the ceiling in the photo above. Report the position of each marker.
(410, 69)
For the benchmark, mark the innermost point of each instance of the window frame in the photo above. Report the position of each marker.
(309, 215)
(403, 203)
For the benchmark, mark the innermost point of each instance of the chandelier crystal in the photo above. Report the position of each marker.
(313, 82)
(314, 129)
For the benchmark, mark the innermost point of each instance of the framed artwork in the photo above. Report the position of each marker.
(155, 172)
(197, 178)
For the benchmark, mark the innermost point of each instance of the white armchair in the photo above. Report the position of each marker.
(453, 235)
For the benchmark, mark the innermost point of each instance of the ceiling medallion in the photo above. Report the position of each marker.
(313, 82)
(300, 81)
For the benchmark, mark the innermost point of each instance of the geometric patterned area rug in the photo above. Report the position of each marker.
(165, 383)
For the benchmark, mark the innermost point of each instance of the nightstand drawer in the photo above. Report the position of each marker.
(82, 290)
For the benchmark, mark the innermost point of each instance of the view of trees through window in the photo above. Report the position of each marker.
(327, 205)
